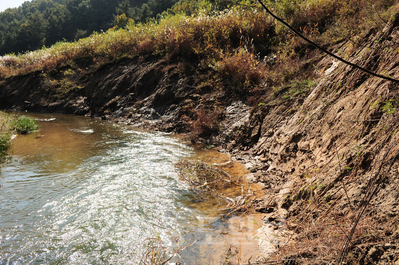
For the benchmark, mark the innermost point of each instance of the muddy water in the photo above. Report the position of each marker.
(82, 191)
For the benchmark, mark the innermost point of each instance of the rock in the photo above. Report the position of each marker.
(251, 178)
(389, 246)
(374, 253)
(261, 209)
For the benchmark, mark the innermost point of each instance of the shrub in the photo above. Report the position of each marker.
(5, 143)
(5, 135)
(25, 125)
(241, 68)
(206, 123)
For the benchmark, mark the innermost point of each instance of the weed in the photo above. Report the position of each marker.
(389, 106)
(205, 123)
(25, 125)
(5, 144)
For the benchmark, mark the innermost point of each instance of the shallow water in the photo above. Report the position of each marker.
(83, 191)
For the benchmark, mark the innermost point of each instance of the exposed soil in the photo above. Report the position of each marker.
(327, 159)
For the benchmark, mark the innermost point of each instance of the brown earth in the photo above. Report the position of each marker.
(329, 165)
(327, 159)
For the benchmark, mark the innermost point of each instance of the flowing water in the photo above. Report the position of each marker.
(83, 191)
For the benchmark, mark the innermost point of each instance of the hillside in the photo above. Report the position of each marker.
(329, 162)
(41, 23)
(319, 135)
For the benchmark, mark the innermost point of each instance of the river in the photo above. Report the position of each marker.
(84, 191)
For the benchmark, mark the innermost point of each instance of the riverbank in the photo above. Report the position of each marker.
(79, 167)
(323, 146)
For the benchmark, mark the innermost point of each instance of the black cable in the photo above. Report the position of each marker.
(324, 50)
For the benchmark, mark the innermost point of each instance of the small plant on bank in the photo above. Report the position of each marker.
(5, 144)
(389, 106)
(25, 125)
(5, 135)
(206, 122)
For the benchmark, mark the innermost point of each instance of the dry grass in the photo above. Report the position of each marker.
(230, 44)
(202, 36)
(242, 68)
(154, 251)
(201, 177)
(207, 180)
(204, 123)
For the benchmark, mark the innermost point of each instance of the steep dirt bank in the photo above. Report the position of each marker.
(329, 165)
(129, 88)
(144, 91)
(327, 157)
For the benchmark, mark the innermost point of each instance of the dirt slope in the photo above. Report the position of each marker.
(130, 90)
(329, 166)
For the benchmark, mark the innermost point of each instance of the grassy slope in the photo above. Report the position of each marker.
(233, 42)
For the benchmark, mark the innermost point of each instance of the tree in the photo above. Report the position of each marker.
(32, 34)
(57, 18)
(122, 21)
(145, 12)
(123, 8)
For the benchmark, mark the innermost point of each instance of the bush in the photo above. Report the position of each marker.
(241, 68)
(206, 123)
(5, 144)
(25, 125)
(5, 135)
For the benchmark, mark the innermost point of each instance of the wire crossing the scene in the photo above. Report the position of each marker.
(324, 50)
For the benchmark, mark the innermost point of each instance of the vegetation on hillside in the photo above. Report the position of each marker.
(246, 50)
(44, 22)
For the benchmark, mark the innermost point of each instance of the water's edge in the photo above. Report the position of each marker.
(85, 191)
